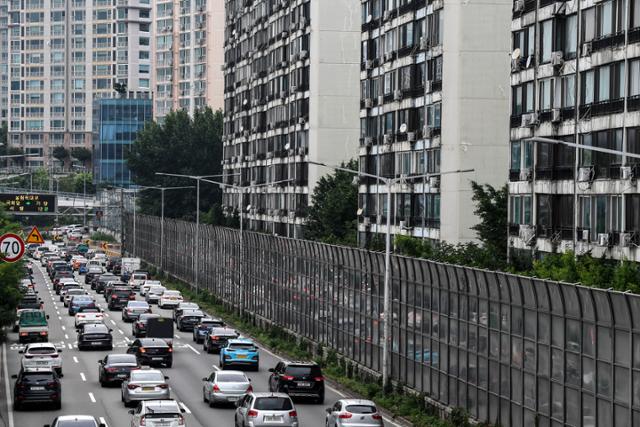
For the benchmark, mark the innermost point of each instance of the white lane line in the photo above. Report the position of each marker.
(127, 339)
(93, 399)
(82, 376)
(103, 421)
(70, 346)
(59, 317)
(177, 336)
(120, 330)
(64, 328)
(75, 359)
(7, 390)
(193, 349)
(66, 337)
(112, 322)
(107, 314)
(215, 367)
(187, 410)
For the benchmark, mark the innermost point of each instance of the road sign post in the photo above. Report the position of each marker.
(35, 236)
(11, 247)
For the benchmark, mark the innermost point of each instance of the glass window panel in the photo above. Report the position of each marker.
(588, 373)
(622, 384)
(557, 365)
(604, 379)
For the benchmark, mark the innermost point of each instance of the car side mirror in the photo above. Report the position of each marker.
(182, 410)
(166, 377)
(131, 411)
(205, 379)
(328, 410)
(14, 376)
(21, 351)
(47, 425)
(102, 425)
(47, 317)
(271, 370)
(100, 362)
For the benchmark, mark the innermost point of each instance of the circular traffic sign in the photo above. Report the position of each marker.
(11, 247)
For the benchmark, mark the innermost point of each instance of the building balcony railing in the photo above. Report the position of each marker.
(633, 103)
(609, 41)
(515, 121)
(602, 108)
(634, 35)
(554, 173)
(514, 229)
(514, 175)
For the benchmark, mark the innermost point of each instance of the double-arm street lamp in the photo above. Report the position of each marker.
(389, 182)
(162, 190)
(243, 189)
(198, 178)
(84, 194)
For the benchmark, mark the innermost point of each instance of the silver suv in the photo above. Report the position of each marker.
(156, 413)
(264, 410)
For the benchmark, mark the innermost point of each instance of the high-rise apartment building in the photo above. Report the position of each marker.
(290, 96)
(188, 39)
(4, 59)
(433, 100)
(63, 54)
(575, 78)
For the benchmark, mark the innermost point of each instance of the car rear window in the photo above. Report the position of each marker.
(139, 276)
(273, 404)
(137, 304)
(33, 377)
(231, 378)
(122, 293)
(361, 409)
(76, 423)
(303, 371)
(146, 376)
(42, 350)
(211, 323)
(172, 293)
(122, 358)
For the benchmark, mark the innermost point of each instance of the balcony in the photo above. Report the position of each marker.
(633, 103)
(634, 35)
(514, 175)
(608, 42)
(514, 229)
(611, 106)
(554, 173)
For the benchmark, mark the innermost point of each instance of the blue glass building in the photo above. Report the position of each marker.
(116, 122)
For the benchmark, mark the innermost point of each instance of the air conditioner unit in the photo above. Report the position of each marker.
(603, 239)
(291, 152)
(427, 131)
(380, 100)
(585, 174)
(368, 141)
(302, 24)
(518, 6)
(294, 88)
(411, 136)
(292, 215)
(529, 119)
(388, 138)
(424, 43)
(525, 174)
(404, 225)
(284, 34)
(385, 15)
(283, 94)
(627, 239)
(556, 115)
(626, 173)
(366, 221)
(586, 48)
(368, 103)
(397, 95)
(302, 121)
(434, 181)
(428, 88)
(557, 58)
(527, 233)
(303, 55)
(388, 56)
(585, 235)
(302, 151)
(368, 64)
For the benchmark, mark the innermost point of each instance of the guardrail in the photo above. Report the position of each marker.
(514, 350)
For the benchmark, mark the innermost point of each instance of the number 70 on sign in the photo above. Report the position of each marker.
(11, 247)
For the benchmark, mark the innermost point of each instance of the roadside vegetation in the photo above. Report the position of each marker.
(102, 237)
(10, 275)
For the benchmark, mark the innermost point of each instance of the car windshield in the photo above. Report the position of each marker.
(361, 409)
(122, 358)
(42, 350)
(231, 378)
(122, 293)
(138, 304)
(146, 376)
(76, 423)
(303, 371)
(273, 404)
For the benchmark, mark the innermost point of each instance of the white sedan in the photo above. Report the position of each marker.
(170, 299)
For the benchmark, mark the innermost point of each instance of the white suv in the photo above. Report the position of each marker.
(156, 413)
(42, 355)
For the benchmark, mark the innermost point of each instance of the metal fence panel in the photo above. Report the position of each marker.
(510, 349)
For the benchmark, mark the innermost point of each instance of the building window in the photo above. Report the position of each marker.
(600, 214)
(634, 77)
(546, 94)
(546, 40)
(569, 91)
(522, 99)
(520, 209)
(632, 208)
(602, 162)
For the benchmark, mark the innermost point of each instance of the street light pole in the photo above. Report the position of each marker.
(386, 347)
(198, 178)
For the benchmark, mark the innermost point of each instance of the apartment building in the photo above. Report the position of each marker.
(63, 54)
(4, 59)
(290, 96)
(433, 100)
(575, 77)
(188, 39)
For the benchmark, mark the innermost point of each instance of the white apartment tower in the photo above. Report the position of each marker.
(290, 96)
(188, 39)
(63, 54)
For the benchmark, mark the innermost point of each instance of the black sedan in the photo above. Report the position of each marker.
(95, 335)
(115, 368)
(139, 327)
(152, 351)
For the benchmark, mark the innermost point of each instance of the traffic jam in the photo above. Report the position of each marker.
(97, 342)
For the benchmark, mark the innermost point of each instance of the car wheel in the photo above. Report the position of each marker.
(57, 405)
(320, 399)
(204, 396)
(16, 406)
(170, 364)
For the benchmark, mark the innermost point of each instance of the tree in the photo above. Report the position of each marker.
(3, 139)
(82, 154)
(10, 275)
(332, 216)
(180, 145)
(491, 208)
(61, 154)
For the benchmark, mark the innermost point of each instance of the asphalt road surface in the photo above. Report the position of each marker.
(81, 391)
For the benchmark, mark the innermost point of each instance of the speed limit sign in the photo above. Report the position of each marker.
(11, 247)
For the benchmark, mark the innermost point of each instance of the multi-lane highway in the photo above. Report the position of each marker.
(81, 391)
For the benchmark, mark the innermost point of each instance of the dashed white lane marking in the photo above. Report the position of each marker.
(107, 314)
(187, 410)
(127, 339)
(193, 349)
(75, 359)
(103, 421)
(120, 330)
(5, 375)
(177, 336)
(70, 346)
(215, 367)
(112, 322)
(92, 397)
(59, 317)
(64, 328)
(66, 337)
(82, 376)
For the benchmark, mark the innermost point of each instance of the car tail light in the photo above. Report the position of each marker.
(180, 420)
(143, 350)
(28, 356)
(54, 356)
(81, 316)
(215, 338)
(163, 386)
(132, 296)
(249, 389)
(143, 421)
(318, 379)
(293, 414)
(252, 413)
(111, 369)
(132, 386)
(23, 334)
(287, 378)
(216, 388)
(170, 349)
(44, 333)
(345, 415)
(51, 384)
(376, 416)
(114, 297)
